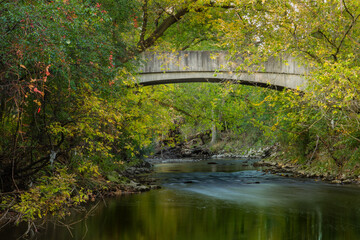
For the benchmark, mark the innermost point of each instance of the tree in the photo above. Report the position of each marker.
(64, 93)
(323, 35)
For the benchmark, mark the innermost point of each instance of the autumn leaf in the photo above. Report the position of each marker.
(38, 91)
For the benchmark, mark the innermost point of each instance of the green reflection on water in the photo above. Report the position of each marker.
(167, 214)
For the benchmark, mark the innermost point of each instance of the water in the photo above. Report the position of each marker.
(227, 200)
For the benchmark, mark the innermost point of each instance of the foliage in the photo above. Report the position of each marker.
(64, 89)
(323, 36)
(68, 97)
(234, 110)
(53, 195)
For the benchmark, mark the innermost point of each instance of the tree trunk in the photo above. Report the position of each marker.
(213, 129)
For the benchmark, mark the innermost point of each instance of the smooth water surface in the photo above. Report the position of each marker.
(227, 200)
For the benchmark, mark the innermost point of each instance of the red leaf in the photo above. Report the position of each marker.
(47, 70)
(37, 91)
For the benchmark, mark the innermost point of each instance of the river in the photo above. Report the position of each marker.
(228, 200)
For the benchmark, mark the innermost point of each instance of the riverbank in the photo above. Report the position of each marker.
(41, 203)
(287, 168)
(276, 162)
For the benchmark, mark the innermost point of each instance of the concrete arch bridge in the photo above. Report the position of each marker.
(207, 66)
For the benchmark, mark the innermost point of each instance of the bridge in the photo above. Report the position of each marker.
(207, 66)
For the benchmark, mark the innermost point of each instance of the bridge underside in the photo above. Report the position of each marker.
(267, 80)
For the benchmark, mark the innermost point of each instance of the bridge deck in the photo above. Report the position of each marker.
(206, 66)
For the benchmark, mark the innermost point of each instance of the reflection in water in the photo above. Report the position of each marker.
(234, 202)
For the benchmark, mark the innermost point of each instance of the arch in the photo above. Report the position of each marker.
(207, 66)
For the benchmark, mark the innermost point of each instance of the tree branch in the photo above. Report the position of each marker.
(192, 42)
(159, 14)
(160, 30)
(145, 21)
(312, 56)
(143, 44)
(347, 10)
(327, 39)
(346, 33)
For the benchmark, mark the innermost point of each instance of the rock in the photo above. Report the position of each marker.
(186, 152)
(140, 168)
(336, 181)
(137, 187)
(133, 184)
(142, 188)
(348, 181)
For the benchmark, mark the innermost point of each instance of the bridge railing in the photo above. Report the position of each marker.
(214, 61)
